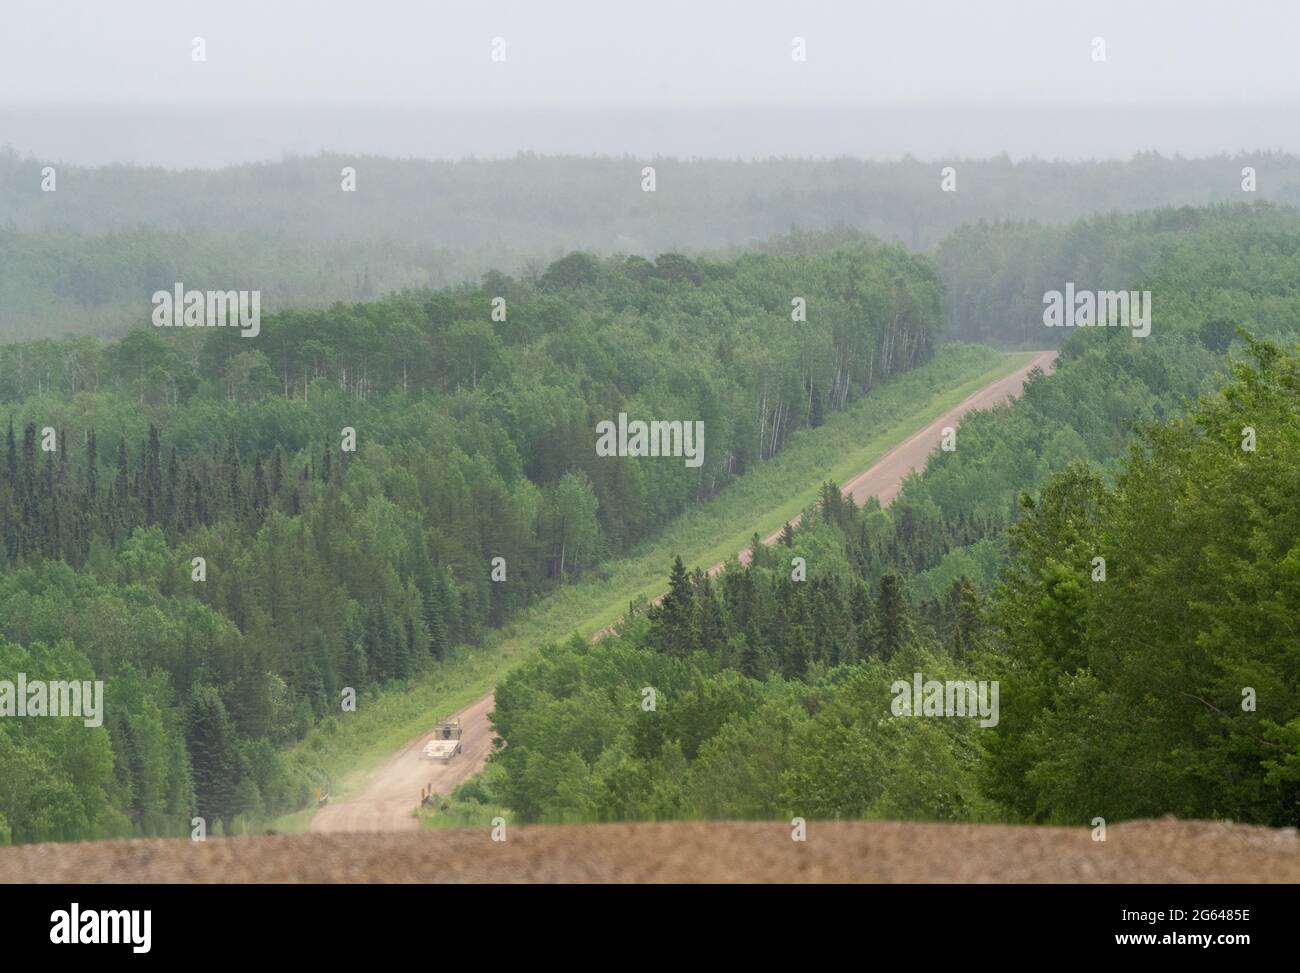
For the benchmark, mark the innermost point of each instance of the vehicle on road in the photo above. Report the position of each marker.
(445, 743)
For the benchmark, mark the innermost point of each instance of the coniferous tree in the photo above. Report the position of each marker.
(11, 458)
(171, 498)
(751, 657)
(187, 509)
(213, 754)
(892, 623)
(261, 497)
(967, 625)
(121, 489)
(92, 471)
(671, 618)
(796, 652)
(200, 515)
(27, 492)
(277, 470)
(234, 481)
(153, 477)
(709, 624)
(62, 476)
(433, 624)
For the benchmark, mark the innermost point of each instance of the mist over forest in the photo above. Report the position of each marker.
(84, 259)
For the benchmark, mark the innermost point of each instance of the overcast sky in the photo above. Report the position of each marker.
(584, 53)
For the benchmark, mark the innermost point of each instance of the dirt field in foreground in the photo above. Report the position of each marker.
(856, 851)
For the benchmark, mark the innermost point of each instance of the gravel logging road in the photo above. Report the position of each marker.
(884, 478)
(390, 795)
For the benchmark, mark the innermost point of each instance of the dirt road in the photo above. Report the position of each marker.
(884, 478)
(691, 851)
(387, 799)
(390, 795)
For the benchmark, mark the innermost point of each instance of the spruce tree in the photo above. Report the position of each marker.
(277, 470)
(967, 625)
(234, 481)
(261, 492)
(751, 656)
(891, 616)
(213, 754)
(434, 625)
(11, 458)
(153, 477)
(121, 482)
(170, 494)
(796, 653)
(709, 623)
(92, 469)
(674, 614)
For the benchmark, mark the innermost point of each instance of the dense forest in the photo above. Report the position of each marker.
(347, 479)
(229, 532)
(1160, 679)
(84, 258)
(996, 273)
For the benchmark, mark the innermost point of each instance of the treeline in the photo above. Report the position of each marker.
(995, 273)
(182, 516)
(1156, 680)
(85, 258)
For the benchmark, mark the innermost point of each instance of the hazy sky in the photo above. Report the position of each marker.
(663, 53)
